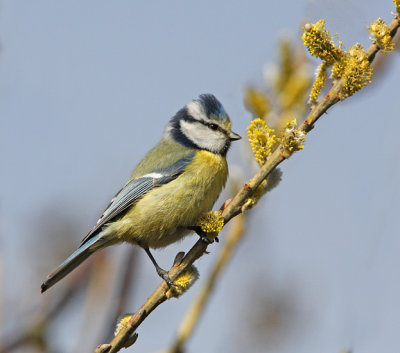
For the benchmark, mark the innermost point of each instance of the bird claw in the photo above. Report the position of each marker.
(164, 275)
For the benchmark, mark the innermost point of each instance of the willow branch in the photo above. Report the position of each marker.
(125, 336)
(188, 323)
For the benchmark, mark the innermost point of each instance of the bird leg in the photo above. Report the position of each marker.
(162, 273)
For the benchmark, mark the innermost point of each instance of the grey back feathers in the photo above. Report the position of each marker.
(202, 124)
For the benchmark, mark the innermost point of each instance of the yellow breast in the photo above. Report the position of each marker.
(162, 215)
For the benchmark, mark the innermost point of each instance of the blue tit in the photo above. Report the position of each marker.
(178, 180)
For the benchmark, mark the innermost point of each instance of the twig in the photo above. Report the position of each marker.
(192, 316)
(234, 207)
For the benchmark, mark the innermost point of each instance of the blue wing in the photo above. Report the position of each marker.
(135, 189)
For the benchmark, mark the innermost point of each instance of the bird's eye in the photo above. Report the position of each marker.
(213, 126)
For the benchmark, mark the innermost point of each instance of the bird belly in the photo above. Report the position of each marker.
(162, 215)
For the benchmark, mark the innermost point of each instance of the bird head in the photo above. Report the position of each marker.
(202, 124)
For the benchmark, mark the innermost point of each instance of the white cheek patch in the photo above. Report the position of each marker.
(202, 136)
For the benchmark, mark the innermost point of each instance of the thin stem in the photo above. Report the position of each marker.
(188, 323)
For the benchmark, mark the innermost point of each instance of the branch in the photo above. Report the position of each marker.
(125, 336)
(235, 234)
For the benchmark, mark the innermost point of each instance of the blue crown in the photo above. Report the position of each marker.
(212, 106)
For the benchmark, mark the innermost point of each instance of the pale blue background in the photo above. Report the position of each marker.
(86, 88)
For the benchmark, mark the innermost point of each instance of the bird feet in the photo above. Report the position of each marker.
(164, 275)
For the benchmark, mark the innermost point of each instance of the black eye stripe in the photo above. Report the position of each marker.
(186, 117)
(212, 126)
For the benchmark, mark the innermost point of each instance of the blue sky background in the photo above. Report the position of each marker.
(86, 89)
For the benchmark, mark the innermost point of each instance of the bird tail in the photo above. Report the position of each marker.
(81, 254)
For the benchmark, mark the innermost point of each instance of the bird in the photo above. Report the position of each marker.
(176, 182)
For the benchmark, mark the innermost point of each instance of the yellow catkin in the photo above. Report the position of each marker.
(339, 67)
(256, 102)
(292, 79)
(284, 118)
(319, 83)
(185, 280)
(293, 139)
(319, 42)
(286, 65)
(122, 323)
(357, 72)
(262, 139)
(211, 222)
(295, 91)
(380, 32)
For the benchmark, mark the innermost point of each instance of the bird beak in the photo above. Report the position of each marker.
(234, 136)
